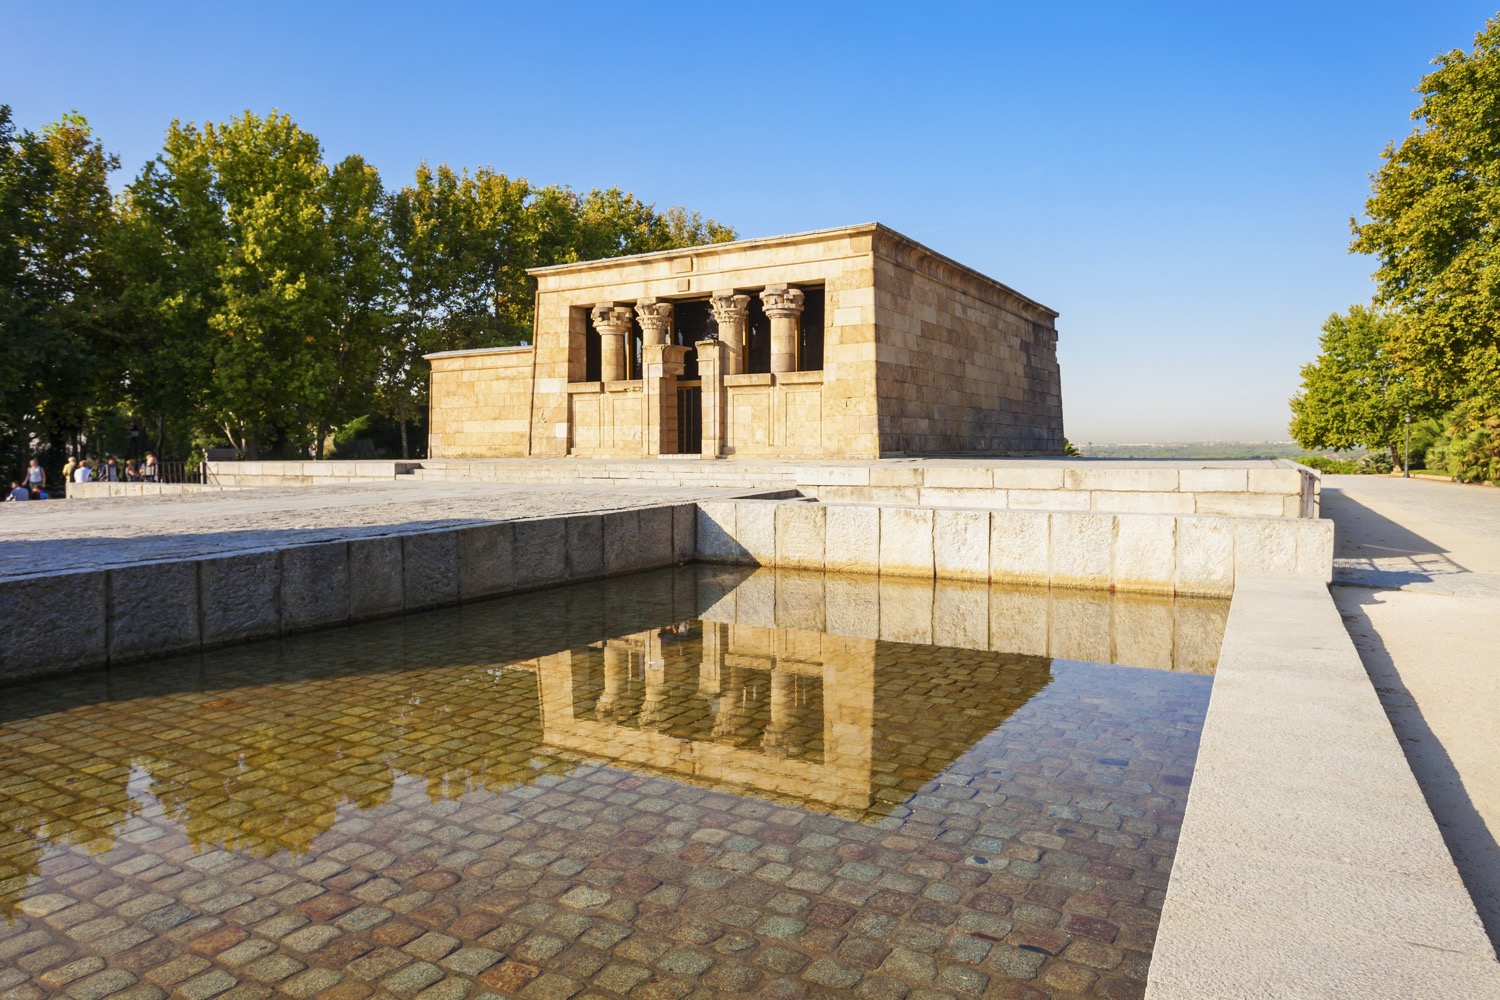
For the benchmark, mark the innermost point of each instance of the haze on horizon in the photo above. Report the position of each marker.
(1177, 183)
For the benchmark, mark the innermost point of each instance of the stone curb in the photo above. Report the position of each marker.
(1309, 864)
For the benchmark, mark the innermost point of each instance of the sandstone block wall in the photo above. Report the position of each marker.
(964, 364)
(1146, 553)
(481, 403)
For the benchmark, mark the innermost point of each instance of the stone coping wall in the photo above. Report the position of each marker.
(304, 473)
(1268, 489)
(70, 621)
(93, 491)
(1309, 864)
(1151, 553)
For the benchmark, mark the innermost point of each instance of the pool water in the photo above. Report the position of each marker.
(688, 783)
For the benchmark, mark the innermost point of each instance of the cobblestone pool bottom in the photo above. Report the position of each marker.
(591, 792)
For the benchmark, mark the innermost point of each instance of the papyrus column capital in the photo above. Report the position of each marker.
(655, 318)
(781, 302)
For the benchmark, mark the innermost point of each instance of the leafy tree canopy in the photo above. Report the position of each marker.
(1354, 395)
(1433, 216)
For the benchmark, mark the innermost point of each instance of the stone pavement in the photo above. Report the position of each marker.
(92, 534)
(1417, 579)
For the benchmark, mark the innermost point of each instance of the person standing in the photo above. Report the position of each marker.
(111, 471)
(68, 468)
(151, 471)
(83, 473)
(36, 477)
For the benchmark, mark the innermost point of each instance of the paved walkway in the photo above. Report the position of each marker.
(1417, 579)
(67, 535)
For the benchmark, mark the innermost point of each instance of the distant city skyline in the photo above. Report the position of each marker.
(1176, 181)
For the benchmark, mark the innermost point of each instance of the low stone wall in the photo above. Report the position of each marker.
(1245, 492)
(1258, 490)
(65, 622)
(1151, 553)
(308, 473)
(93, 491)
(1309, 864)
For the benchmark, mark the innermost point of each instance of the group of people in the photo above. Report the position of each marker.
(33, 484)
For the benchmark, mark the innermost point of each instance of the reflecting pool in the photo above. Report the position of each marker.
(702, 781)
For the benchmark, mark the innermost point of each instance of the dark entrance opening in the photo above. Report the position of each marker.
(689, 419)
(691, 322)
(810, 351)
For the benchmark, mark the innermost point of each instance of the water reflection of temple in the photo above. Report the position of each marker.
(834, 693)
(787, 712)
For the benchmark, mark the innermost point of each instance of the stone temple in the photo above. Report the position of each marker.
(841, 343)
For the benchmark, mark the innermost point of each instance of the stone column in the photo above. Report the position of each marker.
(613, 324)
(784, 306)
(656, 321)
(711, 354)
(732, 313)
(662, 364)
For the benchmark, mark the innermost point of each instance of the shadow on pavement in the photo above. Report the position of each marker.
(1469, 840)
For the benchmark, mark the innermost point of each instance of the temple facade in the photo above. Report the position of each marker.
(841, 343)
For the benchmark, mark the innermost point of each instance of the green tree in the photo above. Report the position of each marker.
(1354, 394)
(1432, 226)
(58, 286)
(171, 244)
(1469, 446)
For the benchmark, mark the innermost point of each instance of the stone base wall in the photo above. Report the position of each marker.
(965, 365)
(480, 403)
(606, 419)
(775, 415)
(1149, 553)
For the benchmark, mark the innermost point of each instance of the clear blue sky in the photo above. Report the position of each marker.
(1176, 180)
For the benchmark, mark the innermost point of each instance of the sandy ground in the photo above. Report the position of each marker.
(1417, 579)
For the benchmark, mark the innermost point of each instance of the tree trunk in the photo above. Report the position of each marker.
(405, 447)
(322, 433)
(1395, 457)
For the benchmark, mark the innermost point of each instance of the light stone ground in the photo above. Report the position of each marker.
(1419, 564)
(57, 537)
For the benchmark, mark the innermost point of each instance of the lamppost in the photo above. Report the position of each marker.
(1406, 458)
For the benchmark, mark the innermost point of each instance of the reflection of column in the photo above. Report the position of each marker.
(613, 324)
(732, 707)
(783, 710)
(711, 372)
(712, 667)
(616, 671)
(784, 306)
(654, 705)
(656, 321)
(732, 313)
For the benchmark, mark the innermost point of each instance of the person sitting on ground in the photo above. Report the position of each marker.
(17, 492)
